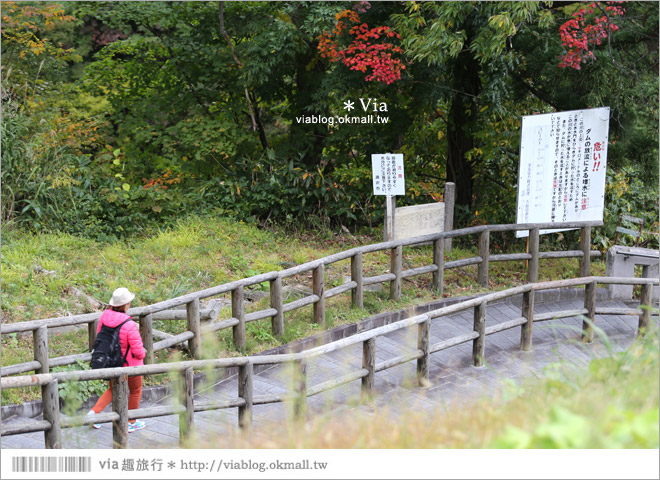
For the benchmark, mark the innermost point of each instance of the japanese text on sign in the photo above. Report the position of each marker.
(388, 177)
(563, 158)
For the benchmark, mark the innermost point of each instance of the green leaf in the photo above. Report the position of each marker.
(126, 187)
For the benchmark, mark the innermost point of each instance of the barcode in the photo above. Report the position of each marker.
(51, 464)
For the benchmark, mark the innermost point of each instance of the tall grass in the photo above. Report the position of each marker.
(613, 403)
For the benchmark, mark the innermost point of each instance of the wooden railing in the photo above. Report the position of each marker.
(195, 329)
(53, 420)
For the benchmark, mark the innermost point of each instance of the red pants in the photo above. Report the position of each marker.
(135, 389)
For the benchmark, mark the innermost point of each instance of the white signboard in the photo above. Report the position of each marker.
(387, 169)
(563, 157)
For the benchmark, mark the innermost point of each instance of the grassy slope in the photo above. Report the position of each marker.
(200, 253)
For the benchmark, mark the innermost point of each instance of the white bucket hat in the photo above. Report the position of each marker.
(120, 297)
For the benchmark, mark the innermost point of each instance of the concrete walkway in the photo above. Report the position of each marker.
(453, 380)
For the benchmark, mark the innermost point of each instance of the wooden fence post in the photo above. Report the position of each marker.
(390, 207)
(526, 328)
(368, 362)
(395, 268)
(423, 337)
(119, 387)
(147, 334)
(479, 343)
(187, 417)
(40, 343)
(277, 302)
(449, 198)
(645, 304)
(300, 390)
(533, 264)
(195, 343)
(357, 294)
(91, 332)
(439, 261)
(585, 246)
(238, 312)
(50, 398)
(590, 305)
(484, 253)
(246, 392)
(318, 288)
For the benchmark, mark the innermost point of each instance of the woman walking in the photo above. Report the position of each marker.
(131, 347)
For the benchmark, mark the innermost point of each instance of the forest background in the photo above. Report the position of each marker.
(122, 117)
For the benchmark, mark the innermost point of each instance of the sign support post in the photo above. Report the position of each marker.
(390, 206)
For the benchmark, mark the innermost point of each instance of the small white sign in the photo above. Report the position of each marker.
(563, 158)
(388, 177)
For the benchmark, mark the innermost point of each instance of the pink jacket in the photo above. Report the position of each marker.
(129, 335)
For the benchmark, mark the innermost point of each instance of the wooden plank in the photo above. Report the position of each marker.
(261, 314)
(245, 392)
(20, 368)
(119, 387)
(40, 348)
(28, 427)
(187, 397)
(463, 262)
(533, 265)
(478, 344)
(628, 231)
(590, 317)
(50, 401)
(78, 420)
(636, 220)
(452, 342)
(423, 336)
(194, 326)
(276, 303)
(219, 404)
(344, 287)
(568, 254)
(318, 287)
(541, 317)
(378, 279)
(178, 314)
(270, 398)
(396, 361)
(484, 253)
(147, 334)
(336, 382)
(419, 271)
(173, 340)
(509, 257)
(439, 262)
(368, 364)
(238, 312)
(219, 325)
(585, 246)
(616, 311)
(528, 326)
(357, 294)
(160, 411)
(303, 302)
(395, 268)
(500, 327)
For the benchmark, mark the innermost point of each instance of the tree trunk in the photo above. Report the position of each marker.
(462, 116)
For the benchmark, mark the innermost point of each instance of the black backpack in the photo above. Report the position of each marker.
(107, 350)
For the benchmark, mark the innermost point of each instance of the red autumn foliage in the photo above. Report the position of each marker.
(585, 30)
(368, 48)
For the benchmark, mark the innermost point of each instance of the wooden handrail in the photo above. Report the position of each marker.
(53, 423)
